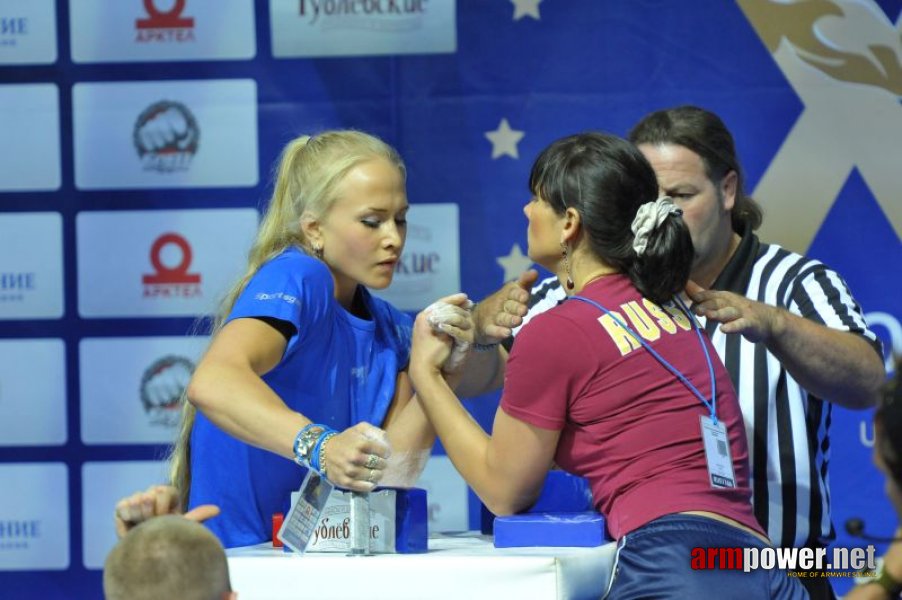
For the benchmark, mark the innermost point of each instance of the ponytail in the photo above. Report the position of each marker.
(307, 178)
(662, 269)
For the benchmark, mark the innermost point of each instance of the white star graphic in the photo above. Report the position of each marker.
(526, 8)
(504, 140)
(514, 263)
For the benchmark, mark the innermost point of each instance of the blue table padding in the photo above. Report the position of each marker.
(561, 493)
(550, 529)
(411, 521)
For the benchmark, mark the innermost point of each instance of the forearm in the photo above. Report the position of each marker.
(411, 436)
(837, 366)
(411, 431)
(482, 373)
(241, 404)
(464, 440)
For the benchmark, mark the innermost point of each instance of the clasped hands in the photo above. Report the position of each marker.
(445, 331)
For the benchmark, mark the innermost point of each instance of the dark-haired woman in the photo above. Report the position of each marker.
(617, 384)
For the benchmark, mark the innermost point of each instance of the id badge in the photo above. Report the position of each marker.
(717, 453)
(304, 515)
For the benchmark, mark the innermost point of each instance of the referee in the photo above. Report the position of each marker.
(802, 340)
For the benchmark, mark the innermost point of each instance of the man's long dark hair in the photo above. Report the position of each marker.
(704, 133)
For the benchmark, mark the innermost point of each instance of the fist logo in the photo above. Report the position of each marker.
(166, 137)
(161, 389)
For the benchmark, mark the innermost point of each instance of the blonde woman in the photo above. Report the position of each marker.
(305, 366)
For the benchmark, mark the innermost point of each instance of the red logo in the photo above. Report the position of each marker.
(158, 19)
(171, 281)
(165, 25)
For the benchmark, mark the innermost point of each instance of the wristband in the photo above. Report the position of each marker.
(305, 441)
(485, 347)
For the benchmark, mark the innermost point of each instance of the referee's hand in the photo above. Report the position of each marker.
(756, 321)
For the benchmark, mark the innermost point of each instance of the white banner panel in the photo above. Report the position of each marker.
(32, 392)
(31, 265)
(131, 387)
(30, 122)
(160, 262)
(103, 485)
(430, 264)
(446, 494)
(27, 32)
(164, 134)
(34, 517)
(161, 30)
(362, 27)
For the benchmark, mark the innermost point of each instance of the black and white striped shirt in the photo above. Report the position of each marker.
(787, 427)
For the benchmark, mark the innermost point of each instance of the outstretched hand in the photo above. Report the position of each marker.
(157, 500)
(756, 321)
(498, 314)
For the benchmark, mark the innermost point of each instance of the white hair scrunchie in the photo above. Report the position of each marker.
(648, 218)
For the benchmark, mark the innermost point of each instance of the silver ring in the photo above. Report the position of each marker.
(371, 478)
(372, 461)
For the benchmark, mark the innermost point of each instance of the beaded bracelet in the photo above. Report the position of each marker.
(321, 459)
(315, 453)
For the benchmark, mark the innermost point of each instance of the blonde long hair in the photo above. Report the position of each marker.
(309, 172)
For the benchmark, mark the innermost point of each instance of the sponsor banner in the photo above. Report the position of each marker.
(30, 121)
(31, 265)
(362, 27)
(430, 264)
(32, 392)
(34, 519)
(131, 388)
(446, 494)
(161, 30)
(164, 134)
(27, 32)
(159, 263)
(103, 485)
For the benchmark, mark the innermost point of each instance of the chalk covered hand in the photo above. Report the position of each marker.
(451, 316)
(356, 458)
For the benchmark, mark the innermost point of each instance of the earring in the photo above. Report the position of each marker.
(569, 281)
(318, 251)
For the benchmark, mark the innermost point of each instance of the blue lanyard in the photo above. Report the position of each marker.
(711, 406)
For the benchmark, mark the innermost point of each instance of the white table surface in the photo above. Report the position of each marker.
(463, 566)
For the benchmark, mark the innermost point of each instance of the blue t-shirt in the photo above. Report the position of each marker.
(337, 369)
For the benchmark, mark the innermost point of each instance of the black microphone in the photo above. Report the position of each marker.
(855, 527)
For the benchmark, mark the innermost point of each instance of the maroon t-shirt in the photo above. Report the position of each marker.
(627, 423)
